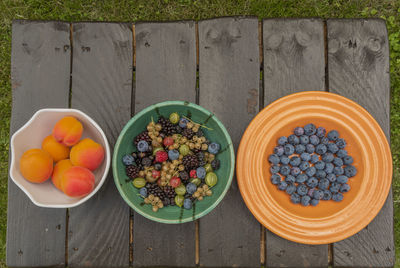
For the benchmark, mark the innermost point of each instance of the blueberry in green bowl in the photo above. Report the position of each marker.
(173, 162)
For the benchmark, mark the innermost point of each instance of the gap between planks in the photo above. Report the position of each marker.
(133, 93)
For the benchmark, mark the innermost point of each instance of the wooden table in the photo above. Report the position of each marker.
(232, 66)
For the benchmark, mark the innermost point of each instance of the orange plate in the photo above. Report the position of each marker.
(329, 221)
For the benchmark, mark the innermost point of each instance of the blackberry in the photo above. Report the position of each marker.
(167, 128)
(132, 171)
(155, 190)
(215, 164)
(179, 129)
(191, 162)
(144, 136)
(169, 192)
(188, 133)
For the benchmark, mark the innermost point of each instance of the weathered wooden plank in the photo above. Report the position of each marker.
(165, 70)
(40, 70)
(98, 232)
(229, 87)
(358, 66)
(294, 61)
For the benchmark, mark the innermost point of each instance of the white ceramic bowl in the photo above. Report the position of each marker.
(31, 136)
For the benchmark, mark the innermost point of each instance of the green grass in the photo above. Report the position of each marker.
(130, 10)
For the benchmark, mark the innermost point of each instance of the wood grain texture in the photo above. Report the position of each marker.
(229, 87)
(358, 65)
(165, 70)
(40, 69)
(294, 61)
(98, 232)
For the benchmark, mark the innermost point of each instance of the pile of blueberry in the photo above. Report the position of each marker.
(174, 163)
(311, 165)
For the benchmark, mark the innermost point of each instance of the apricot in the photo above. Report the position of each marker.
(68, 131)
(58, 172)
(87, 153)
(77, 181)
(36, 165)
(57, 150)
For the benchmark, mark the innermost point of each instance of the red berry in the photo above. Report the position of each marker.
(175, 182)
(161, 156)
(193, 173)
(155, 173)
(168, 141)
(159, 182)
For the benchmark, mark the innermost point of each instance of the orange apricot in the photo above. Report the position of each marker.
(58, 172)
(57, 150)
(68, 131)
(77, 181)
(36, 165)
(87, 153)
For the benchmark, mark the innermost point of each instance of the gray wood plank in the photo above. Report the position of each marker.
(229, 87)
(358, 66)
(98, 232)
(40, 70)
(165, 70)
(294, 61)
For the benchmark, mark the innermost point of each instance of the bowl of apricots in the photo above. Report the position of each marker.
(59, 158)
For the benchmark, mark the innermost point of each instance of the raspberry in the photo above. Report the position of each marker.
(192, 173)
(168, 141)
(155, 173)
(161, 156)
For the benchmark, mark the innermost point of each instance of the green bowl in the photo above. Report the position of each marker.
(216, 133)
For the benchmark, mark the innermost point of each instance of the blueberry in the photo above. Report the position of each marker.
(323, 184)
(320, 165)
(191, 188)
(173, 154)
(337, 161)
(314, 202)
(201, 172)
(310, 171)
(290, 179)
(331, 177)
(298, 131)
(335, 187)
(310, 129)
(320, 174)
(305, 200)
(213, 148)
(187, 203)
(341, 143)
(143, 192)
(310, 148)
(142, 146)
(329, 168)
(304, 165)
(314, 159)
(327, 195)
(314, 140)
(282, 140)
(285, 170)
(289, 149)
(332, 147)
(320, 149)
(183, 122)
(128, 160)
(301, 178)
(291, 189)
(311, 192)
(338, 171)
(157, 166)
(304, 139)
(275, 179)
(295, 161)
(295, 198)
(273, 169)
(333, 135)
(302, 189)
(299, 148)
(318, 194)
(294, 171)
(282, 186)
(285, 160)
(305, 157)
(324, 140)
(293, 139)
(321, 132)
(328, 157)
(345, 188)
(278, 150)
(348, 160)
(337, 197)
(312, 182)
(274, 159)
(350, 171)
(341, 153)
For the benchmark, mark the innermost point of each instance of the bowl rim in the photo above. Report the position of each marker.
(129, 124)
(107, 157)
